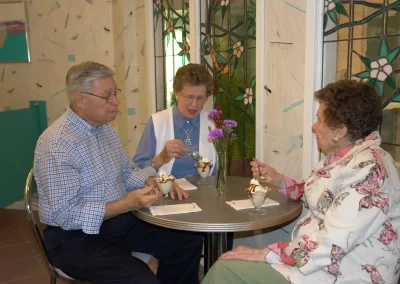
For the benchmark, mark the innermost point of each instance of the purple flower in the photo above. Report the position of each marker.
(228, 122)
(215, 133)
(214, 112)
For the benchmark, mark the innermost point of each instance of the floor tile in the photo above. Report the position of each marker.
(37, 279)
(15, 253)
(19, 269)
(11, 237)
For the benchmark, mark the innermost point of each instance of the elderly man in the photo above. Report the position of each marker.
(87, 187)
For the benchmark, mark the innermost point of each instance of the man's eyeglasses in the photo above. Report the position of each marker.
(190, 98)
(108, 98)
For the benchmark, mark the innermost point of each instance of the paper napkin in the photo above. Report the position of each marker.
(174, 209)
(246, 203)
(184, 184)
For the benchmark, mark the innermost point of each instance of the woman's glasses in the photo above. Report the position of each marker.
(108, 98)
(190, 98)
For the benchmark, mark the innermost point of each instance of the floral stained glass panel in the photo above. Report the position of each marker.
(171, 44)
(228, 41)
(369, 52)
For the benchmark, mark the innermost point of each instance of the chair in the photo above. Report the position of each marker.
(29, 196)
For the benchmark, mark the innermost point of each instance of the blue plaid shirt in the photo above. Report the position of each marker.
(78, 169)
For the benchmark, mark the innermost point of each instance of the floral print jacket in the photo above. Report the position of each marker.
(350, 232)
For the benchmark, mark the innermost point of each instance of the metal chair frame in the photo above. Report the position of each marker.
(54, 272)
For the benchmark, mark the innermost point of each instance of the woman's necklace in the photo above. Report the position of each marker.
(188, 141)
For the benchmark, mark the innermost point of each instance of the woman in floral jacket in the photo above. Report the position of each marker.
(350, 231)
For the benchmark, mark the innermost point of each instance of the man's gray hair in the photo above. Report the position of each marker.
(80, 77)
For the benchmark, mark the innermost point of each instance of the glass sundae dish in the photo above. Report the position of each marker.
(257, 195)
(203, 168)
(164, 182)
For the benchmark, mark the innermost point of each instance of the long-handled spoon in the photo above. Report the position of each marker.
(195, 155)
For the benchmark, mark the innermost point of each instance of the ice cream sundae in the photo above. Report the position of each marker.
(203, 167)
(164, 182)
(257, 193)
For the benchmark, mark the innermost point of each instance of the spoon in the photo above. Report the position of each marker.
(195, 155)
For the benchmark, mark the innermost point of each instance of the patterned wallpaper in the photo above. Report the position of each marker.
(65, 32)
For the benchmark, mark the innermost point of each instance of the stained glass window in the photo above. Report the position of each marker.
(171, 45)
(228, 47)
(362, 41)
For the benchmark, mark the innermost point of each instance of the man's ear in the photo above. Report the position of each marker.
(78, 99)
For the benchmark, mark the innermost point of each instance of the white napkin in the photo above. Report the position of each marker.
(184, 184)
(174, 209)
(246, 204)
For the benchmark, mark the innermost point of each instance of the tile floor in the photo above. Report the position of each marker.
(21, 261)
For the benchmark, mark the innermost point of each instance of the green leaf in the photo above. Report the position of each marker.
(341, 10)
(220, 58)
(173, 34)
(187, 5)
(251, 14)
(381, 87)
(230, 51)
(174, 21)
(214, 99)
(180, 53)
(366, 61)
(325, 20)
(180, 44)
(362, 75)
(188, 57)
(239, 98)
(236, 62)
(372, 81)
(392, 56)
(251, 24)
(253, 82)
(223, 11)
(252, 107)
(332, 15)
(397, 99)
(168, 38)
(392, 84)
(221, 90)
(253, 5)
(241, 90)
(384, 48)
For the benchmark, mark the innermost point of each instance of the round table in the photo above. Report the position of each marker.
(218, 218)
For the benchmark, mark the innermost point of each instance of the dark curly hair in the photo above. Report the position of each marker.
(354, 104)
(194, 75)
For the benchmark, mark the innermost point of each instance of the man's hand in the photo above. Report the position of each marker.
(246, 253)
(141, 197)
(176, 189)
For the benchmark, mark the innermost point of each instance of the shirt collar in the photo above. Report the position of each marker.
(180, 121)
(81, 123)
(337, 156)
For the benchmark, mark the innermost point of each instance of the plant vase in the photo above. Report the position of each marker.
(221, 172)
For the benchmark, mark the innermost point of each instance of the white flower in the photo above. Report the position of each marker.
(329, 4)
(381, 69)
(248, 96)
(224, 2)
(238, 49)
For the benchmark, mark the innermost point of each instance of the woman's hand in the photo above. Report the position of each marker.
(172, 149)
(246, 253)
(176, 189)
(266, 173)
